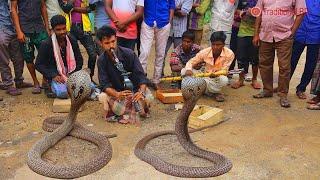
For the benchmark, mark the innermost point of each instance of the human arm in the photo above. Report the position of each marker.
(43, 63)
(123, 24)
(172, 7)
(202, 8)
(16, 22)
(296, 24)
(44, 14)
(184, 9)
(199, 58)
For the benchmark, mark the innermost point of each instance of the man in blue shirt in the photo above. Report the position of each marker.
(10, 49)
(157, 22)
(308, 35)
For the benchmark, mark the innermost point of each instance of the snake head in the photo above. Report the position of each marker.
(193, 88)
(79, 88)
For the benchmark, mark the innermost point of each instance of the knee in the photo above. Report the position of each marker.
(223, 80)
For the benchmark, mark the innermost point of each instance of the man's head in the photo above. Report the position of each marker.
(217, 42)
(107, 38)
(58, 24)
(187, 41)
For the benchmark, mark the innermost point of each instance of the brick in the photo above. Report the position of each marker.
(62, 106)
(204, 116)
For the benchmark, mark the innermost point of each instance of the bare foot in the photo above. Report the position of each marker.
(255, 84)
(237, 85)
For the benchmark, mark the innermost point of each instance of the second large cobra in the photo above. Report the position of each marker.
(192, 89)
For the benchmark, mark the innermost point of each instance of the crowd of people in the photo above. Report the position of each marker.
(241, 32)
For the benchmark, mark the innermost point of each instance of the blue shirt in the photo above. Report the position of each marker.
(5, 19)
(101, 18)
(309, 30)
(157, 12)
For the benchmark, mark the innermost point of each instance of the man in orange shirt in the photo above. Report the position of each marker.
(216, 58)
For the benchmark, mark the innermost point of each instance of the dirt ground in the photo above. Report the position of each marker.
(263, 140)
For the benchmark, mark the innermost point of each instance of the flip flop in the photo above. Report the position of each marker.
(314, 106)
(36, 90)
(301, 95)
(13, 91)
(314, 100)
(219, 97)
(237, 85)
(123, 121)
(284, 102)
(262, 95)
(256, 85)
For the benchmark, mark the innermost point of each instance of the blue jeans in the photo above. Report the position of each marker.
(311, 61)
(59, 89)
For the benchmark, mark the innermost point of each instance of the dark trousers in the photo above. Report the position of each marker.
(311, 61)
(86, 40)
(233, 46)
(266, 58)
(127, 43)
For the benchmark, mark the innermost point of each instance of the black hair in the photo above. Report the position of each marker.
(189, 35)
(218, 36)
(105, 31)
(57, 20)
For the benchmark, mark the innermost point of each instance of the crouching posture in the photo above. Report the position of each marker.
(58, 56)
(216, 58)
(125, 94)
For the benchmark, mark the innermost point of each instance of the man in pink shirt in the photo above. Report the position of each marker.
(124, 15)
(276, 23)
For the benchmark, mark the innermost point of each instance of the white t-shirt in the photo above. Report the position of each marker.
(123, 9)
(53, 8)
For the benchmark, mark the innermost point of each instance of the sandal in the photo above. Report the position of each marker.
(284, 102)
(123, 121)
(301, 95)
(262, 95)
(13, 91)
(219, 97)
(237, 85)
(314, 100)
(314, 106)
(256, 85)
(36, 90)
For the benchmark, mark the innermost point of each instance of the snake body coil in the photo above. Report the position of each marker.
(192, 89)
(79, 90)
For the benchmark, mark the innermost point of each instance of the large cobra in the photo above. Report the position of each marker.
(192, 89)
(79, 90)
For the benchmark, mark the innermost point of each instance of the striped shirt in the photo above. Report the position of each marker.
(179, 24)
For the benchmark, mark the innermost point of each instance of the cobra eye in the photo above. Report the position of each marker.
(81, 89)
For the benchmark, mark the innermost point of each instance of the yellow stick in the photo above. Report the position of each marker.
(179, 78)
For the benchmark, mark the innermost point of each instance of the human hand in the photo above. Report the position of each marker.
(59, 79)
(123, 94)
(122, 26)
(188, 73)
(138, 96)
(21, 37)
(256, 40)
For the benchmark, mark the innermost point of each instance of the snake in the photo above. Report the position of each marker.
(192, 88)
(79, 89)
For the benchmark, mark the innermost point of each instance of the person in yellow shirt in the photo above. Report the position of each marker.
(217, 58)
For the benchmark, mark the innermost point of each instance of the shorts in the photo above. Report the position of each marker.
(247, 52)
(32, 40)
